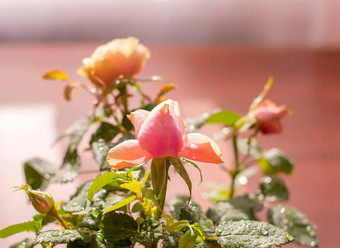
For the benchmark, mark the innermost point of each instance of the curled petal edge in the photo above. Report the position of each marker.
(201, 148)
(127, 153)
(138, 118)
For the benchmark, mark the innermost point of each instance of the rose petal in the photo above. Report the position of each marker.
(137, 118)
(268, 110)
(127, 153)
(269, 127)
(160, 135)
(176, 113)
(201, 148)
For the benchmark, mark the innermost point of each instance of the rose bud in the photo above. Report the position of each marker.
(119, 57)
(267, 115)
(42, 201)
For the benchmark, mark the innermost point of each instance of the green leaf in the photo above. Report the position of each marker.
(78, 201)
(134, 186)
(76, 130)
(199, 232)
(99, 151)
(44, 218)
(113, 199)
(64, 236)
(194, 214)
(122, 203)
(84, 213)
(250, 234)
(240, 208)
(275, 161)
(80, 205)
(38, 173)
(106, 132)
(67, 173)
(224, 211)
(127, 124)
(202, 245)
(150, 231)
(56, 75)
(195, 165)
(224, 117)
(150, 194)
(179, 225)
(159, 174)
(26, 243)
(79, 244)
(91, 219)
(294, 222)
(137, 207)
(140, 91)
(247, 204)
(176, 203)
(118, 226)
(103, 180)
(99, 242)
(29, 226)
(177, 163)
(188, 240)
(273, 189)
(70, 166)
(171, 239)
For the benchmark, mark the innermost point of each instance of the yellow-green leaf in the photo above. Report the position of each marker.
(133, 186)
(179, 225)
(56, 75)
(121, 204)
(188, 240)
(165, 89)
(103, 180)
(224, 117)
(29, 226)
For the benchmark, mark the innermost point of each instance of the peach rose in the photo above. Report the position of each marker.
(267, 115)
(119, 57)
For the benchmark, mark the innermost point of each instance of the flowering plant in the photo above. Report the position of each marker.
(126, 204)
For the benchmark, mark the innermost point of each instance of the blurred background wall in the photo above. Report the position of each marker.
(293, 23)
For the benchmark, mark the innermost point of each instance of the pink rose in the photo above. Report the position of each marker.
(160, 134)
(119, 57)
(267, 115)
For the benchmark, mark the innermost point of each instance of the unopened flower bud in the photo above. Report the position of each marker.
(267, 115)
(42, 201)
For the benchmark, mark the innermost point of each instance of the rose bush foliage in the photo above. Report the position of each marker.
(125, 204)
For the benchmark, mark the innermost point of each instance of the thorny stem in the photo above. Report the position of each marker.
(55, 214)
(237, 165)
(249, 140)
